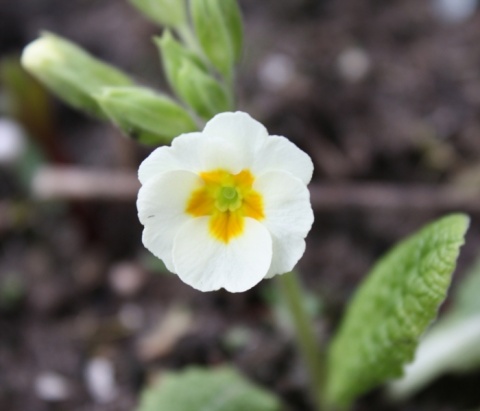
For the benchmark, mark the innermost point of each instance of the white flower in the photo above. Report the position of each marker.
(228, 206)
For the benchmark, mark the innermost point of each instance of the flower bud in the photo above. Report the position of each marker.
(170, 13)
(70, 72)
(201, 91)
(218, 26)
(143, 115)
(174, 56)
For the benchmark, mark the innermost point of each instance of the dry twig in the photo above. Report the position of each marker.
(66, 183)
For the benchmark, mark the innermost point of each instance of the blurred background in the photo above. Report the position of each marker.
(383, 95)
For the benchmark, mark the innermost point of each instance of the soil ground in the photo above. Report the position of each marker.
(375, 91)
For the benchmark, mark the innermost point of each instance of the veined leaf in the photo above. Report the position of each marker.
(197, 389)
(392, 309)
(451, 345)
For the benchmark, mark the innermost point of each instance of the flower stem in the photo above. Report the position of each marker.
(294, 298)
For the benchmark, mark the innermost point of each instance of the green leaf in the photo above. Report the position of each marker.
(392, 309)
(70, 72)
(197, 389)
(145, 116)
(451, 345)
(168, 13)
(218, 26)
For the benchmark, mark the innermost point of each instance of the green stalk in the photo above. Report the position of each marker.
(293, 296)
(228, 85)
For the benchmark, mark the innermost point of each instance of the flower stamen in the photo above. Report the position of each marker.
(227, 198)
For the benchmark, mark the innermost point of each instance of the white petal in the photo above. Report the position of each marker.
(193, 152)
(208, 264)
(161, 207)
(238, 128)
(278, 153)
(288, 217)
(183, 154)
(220, 154)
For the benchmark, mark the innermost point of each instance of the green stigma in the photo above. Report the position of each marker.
(228, 199)
(229, 193)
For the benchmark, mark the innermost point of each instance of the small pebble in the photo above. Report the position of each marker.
(100, 380)
(454, 11)
(12, 141)
(276, 71)
(52, 387)
(127, 278)
(353, 64)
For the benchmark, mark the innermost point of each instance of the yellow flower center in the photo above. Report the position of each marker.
(227, 198)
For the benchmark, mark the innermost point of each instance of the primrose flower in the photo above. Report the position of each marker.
(226, 207)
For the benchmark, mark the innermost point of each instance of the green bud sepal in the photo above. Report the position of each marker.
(144, 115)
(169, 13)
(174, 56)
(189, 78)
(219, 29)
(70, 72)
(205, 95)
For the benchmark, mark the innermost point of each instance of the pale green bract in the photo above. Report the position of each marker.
(392, 309)
(221, 389)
